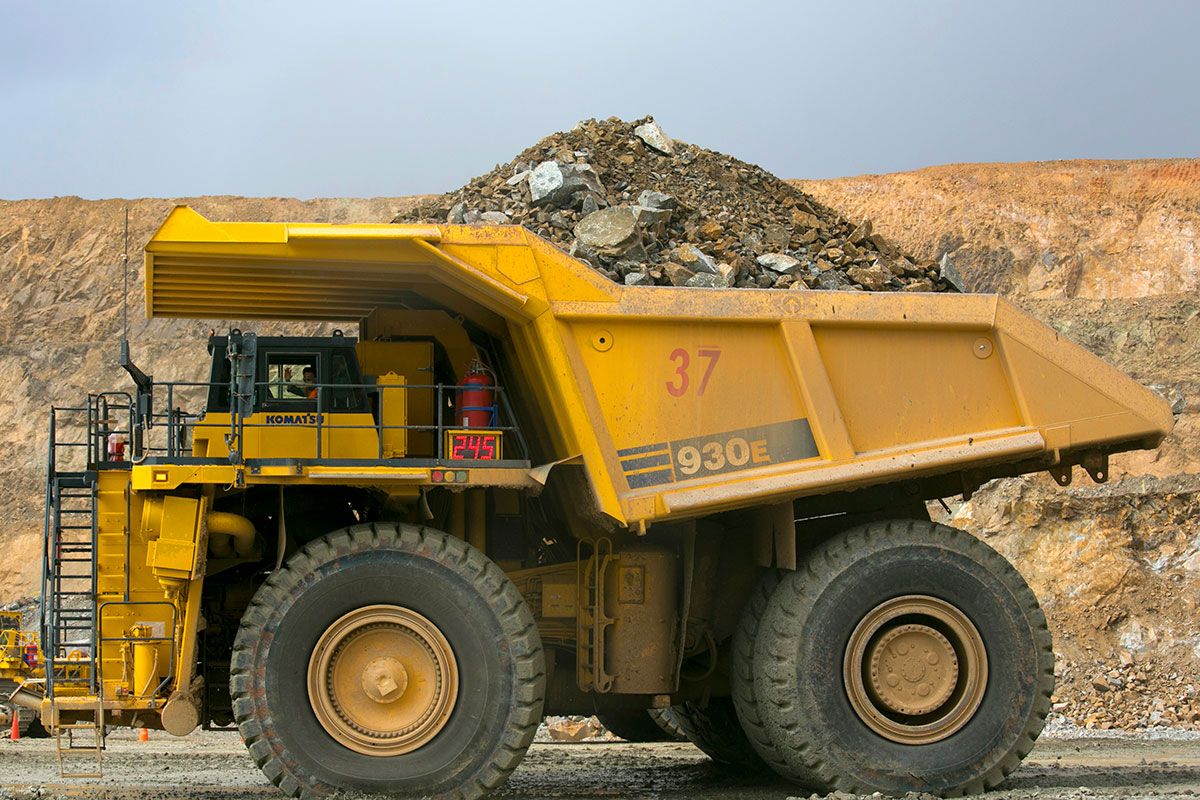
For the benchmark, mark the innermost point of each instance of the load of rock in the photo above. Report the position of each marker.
(644, 209)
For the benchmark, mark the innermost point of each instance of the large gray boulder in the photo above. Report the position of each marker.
(554, 184)
(780, 262)
(610, 232)
(653, 137)
(695, 259)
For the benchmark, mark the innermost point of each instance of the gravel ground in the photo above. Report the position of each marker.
(214, 766)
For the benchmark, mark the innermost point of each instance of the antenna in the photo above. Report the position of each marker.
(144, 383)
(125, 278)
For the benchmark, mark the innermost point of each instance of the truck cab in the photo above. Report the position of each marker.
(309, 400)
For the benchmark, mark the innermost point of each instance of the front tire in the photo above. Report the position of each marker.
(388, 659)
(903, 656)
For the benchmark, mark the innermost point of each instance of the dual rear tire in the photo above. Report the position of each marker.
(901, 656)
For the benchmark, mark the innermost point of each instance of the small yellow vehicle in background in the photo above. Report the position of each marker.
(20, 661)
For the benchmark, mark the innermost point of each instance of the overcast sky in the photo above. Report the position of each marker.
(120, 99)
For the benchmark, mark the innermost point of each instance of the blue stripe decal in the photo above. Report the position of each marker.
(646, 448)
(643, 479)
(662, 459)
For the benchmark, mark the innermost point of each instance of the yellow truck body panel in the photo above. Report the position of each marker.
(682, 401)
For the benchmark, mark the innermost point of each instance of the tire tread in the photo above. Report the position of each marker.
(802, 752)
(253, 717)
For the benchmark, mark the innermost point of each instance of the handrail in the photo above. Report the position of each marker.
(180, 422)
(115, 413)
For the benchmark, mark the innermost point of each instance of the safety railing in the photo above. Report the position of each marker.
(101, 430)
(168, 430)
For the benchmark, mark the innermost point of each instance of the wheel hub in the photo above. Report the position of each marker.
(915, 669)
(382, 680)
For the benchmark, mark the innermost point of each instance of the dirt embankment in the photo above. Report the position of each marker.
(1094, 229)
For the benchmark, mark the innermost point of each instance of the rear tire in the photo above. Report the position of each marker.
(715, 729)
(668, 720)
(33, 729)
(950, 707)
(741, 680)
(489, 646)
(639, 725)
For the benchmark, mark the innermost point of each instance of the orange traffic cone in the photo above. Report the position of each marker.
(143, 734)
(15, 733)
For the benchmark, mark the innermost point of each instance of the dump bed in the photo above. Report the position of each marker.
(680, 402)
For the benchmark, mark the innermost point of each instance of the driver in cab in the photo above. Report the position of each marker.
(308, 387)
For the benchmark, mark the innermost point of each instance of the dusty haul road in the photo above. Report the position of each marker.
(214, 766)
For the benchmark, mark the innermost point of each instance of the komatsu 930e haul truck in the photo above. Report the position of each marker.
(520, 489)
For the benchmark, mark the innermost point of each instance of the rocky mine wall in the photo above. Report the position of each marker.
(1106, 252)
(1093, 229)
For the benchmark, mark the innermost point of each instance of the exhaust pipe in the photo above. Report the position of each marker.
(230, 535)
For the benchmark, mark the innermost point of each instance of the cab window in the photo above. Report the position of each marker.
(292, 377)
(344, 372)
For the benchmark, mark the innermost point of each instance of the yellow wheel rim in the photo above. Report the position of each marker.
(382, 680)
(915, 669)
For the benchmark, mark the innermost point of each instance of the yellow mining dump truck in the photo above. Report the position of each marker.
(20, 661)
(524, 490)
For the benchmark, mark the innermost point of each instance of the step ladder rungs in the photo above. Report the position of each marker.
(73, 750)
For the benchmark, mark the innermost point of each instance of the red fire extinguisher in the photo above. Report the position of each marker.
(116, 447)
(31, 655)
(476, 398)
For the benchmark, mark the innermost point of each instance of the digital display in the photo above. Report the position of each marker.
(471, 446)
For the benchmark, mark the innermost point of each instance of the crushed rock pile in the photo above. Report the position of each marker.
(643, 209)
